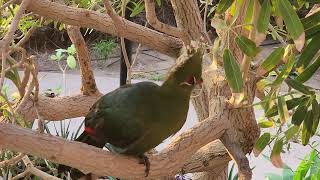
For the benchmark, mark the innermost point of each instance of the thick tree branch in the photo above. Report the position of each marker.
(67, 106)
(88, 84)
(90, 19)
(162, 27)
(168, 161)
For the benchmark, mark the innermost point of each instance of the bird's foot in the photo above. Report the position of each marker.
(143, 159)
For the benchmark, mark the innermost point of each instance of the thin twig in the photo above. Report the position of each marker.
(7, 4)
(5, 42)
(11, 161)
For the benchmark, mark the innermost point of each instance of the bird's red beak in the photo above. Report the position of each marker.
(198, 81)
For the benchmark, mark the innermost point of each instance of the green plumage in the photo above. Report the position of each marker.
(136, 118)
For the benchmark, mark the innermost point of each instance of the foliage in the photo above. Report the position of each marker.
(309, 169)
(300, 58)
(104, 48)
(70, 52)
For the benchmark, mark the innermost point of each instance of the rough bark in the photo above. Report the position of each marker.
(100, 162)
(91, 19)
(88, 84)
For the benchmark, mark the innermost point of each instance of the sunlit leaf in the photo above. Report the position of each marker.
(308, 53)
(271, 61)
(275, 154)
(285, 72)
(282, 109)
(247, 46)
(307, 128)
(291, 132)
(261, 143)
(316, 116)
(223, 6)
(266, 124)
(309, 72)
(71, 61)
(232, 71)
(291, 103)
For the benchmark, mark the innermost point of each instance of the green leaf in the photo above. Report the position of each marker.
(282, 109)
(249, 15)
(71, 50)
(223, 6)
(308, 53)
(304, 166)
(299, 86)
(311, 21)
(291, 19)
(53, 57)
(247, 46)
(307, 128)
(232, 71)
(275, 154)
(158, 2)
(291, 132)
(261, 143)
(310, 33)
(71, 61)
(272, 176)
(316, 116)
(309, 72)
(299, 115)
(264, 17)
(272, 60)
(285, 72)
(266, 124)
(138, 8)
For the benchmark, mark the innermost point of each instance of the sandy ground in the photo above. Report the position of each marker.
(152, 65)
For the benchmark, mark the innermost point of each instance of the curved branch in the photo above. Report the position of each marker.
(98, 161)
(90, 19)
(162, 27)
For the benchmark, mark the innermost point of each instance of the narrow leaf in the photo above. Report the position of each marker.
(316, 116)
(307, 128)
(291, 132)
(298, 86)
(266, 124)
(247, 46)
(308, 53)
(291, 19)
(282, 109)
(275, 154)
(291, 103)
(285, 72)
(264, 17)
(223, 6)
(261, 143)
(299, 114)
(309, 72)
(232, 71)
(271, 61)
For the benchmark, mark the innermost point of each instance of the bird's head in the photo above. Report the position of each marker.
(186, 73)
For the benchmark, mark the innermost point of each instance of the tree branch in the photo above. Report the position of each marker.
(67, 106)
(88, 83)
(90, 19)
(167, 162)
(162, 27)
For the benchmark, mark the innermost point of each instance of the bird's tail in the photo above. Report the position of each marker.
(85, 138)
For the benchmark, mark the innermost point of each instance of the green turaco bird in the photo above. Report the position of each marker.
(135, 118)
